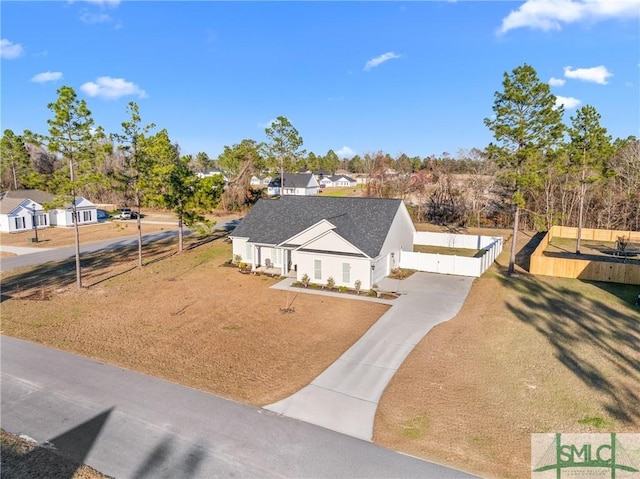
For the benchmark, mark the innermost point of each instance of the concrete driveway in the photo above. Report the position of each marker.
(345, 397)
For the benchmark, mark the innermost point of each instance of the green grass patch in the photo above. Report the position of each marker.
(597, 422)
(415, 427)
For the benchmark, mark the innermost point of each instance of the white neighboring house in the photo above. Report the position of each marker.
(298, 184)
(213, 172)
(86, 211)
(20, 209)
(257, 181)
(348, 239)
(338, 181)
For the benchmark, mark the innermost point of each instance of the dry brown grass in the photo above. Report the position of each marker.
(525, 354)
(186, 319)
(22, 459)
(64, 236)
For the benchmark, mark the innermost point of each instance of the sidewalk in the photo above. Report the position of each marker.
(20, 250)
(344, 398)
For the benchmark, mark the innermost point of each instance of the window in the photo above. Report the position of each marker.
(20, 224)
(317, 269)
(346, 273)
(277, 256)
(249, 251)
(41, 220)
(86, 216)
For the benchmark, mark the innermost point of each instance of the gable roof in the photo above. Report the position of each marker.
(364, 222)
(294, 180)
(36, 195)
(338, 177)
(11, 199)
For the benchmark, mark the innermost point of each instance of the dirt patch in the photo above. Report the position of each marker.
(524, 355)
(25, 459)
(186, 319)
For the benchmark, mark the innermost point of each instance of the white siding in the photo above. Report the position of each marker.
(310, 233)
(331, 242)
(239, 248)
(332, 266)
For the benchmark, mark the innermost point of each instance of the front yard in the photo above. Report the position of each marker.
(186, 319)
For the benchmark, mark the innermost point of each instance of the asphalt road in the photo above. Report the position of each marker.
(58, 254)
(127, 425)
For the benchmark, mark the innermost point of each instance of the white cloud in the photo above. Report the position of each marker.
(594, 74)
(10, 50)
(568, 102)
(374, 62)
(112, 88)
(46, 77)
(551, 14)
(345, 152)
(556, 81)
(93, 18)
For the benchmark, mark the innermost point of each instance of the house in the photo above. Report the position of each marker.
(300, 184)
(213, 172)
(21, 209)
(258, 181)
(347, 239)
(338, 181)
(86, 211)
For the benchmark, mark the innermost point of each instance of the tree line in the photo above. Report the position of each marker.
(538, 170)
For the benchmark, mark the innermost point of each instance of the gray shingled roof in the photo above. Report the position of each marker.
(337, 177)
(293, 180)
(9, 200)
(364, 222)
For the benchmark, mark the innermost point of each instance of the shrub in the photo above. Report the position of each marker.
(237, 258)
(331, 283)
(314, 286)
(357, 285)
(305, 280)
(372, 292)
(343, 289)
(242, 265)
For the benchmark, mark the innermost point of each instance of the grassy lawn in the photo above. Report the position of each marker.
(342, 191)
(186, 319)
(525, 354)
(57, 237)
(22, 459)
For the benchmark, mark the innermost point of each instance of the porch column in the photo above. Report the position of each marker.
(284, 261)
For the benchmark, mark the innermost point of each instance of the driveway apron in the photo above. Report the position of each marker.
(344, 398)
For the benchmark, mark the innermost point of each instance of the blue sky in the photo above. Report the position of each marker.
(356, 77)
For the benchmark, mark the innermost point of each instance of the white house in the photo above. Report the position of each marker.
(213, 172)
(338, 181)
(347, 239)
(20, 209)
(299, 184)
(86, 211)
(258, 181)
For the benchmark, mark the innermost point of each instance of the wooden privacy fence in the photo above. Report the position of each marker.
(588, 269)
(451, 264)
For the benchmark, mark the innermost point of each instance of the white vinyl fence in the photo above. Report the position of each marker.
(449, 264)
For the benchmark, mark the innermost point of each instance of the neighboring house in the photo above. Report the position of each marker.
(348, 239)
(258, 181)
(339, 181)
(299, 184)
(20, 209)
(86, 211)
(213, 172)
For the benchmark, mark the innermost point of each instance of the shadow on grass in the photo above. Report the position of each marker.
(597, 343)
(97, 267)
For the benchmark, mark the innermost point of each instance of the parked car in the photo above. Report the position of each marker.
(102, 215)
(127, 214)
